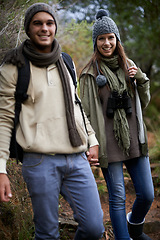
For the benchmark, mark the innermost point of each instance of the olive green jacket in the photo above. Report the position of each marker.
(93, 109)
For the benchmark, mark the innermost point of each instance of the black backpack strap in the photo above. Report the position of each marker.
(77, 101)
(70, 66)
(20, 96)
(21, 88)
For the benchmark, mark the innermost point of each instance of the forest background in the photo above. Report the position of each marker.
(138, 22)
(139, 25)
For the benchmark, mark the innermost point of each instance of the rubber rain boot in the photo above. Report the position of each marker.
(136, 230)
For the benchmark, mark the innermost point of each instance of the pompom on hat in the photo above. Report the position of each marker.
(104, 24)
(35, 8)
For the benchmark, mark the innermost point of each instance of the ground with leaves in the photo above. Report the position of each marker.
(152, 224)
(16, 218)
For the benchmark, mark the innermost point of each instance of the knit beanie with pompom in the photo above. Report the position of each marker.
(104, 24)
(35, 8)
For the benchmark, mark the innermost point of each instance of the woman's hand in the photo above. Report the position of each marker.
(132, 71)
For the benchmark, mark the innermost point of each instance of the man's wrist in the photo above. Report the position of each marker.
(3, 166)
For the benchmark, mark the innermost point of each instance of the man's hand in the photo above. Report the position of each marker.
(5, 189)
(92, 155)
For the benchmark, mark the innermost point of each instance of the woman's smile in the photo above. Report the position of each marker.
(106, 44)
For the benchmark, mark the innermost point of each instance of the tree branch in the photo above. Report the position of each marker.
(19, 32)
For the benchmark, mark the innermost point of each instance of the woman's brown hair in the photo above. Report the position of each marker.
(122, 60)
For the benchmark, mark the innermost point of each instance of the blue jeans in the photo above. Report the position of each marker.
(49, 175)
(140, 172)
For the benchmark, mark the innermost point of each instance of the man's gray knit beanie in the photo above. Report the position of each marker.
(104, 24)
(35, 8)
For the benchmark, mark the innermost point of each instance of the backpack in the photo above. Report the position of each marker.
(21, 95)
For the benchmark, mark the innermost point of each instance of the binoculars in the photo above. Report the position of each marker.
(116, 101)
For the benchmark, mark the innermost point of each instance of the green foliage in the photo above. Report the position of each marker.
(11, 18)
(16, 218)
(153, 114)
(138, 22)
(77, 42)
(140, 30)
(101, 189)
(154, 151)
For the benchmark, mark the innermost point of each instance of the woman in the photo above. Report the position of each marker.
(113, 93)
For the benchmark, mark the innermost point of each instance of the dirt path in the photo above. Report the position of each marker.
(152, 223)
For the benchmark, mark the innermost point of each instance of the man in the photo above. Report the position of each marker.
(51, 132)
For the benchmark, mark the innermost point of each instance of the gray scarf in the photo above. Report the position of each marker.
(109, 67)
(16, 57)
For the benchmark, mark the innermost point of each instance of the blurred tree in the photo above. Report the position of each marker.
(11, 23)
(138, 22)
(82, 10)
(139, 25)
(76, 39)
